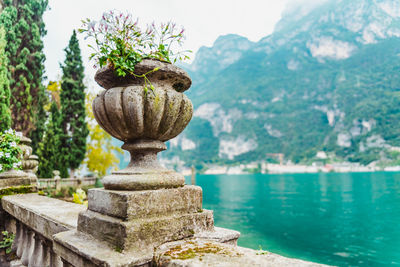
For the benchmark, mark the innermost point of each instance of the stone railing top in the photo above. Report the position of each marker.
(200, 252)
(47, 216)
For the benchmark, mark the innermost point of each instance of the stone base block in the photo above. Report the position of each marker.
(143, 233)
(14, 178)
(129, 205)
(17, 189)
(9, 182)
(143, 179)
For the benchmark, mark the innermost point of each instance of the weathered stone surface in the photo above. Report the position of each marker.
(220, 235)
(78, 248)
(144, 118)
(11, 182)
(143, 179)
(144, 233)
(199, 253)
(129, 205)
(45, 215)
(177, 77)
(82, 250)
(129, 114)
(14, 178)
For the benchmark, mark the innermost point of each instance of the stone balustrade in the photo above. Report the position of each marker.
(33, 248)
(35, 220)
(65, 182)
(41, 226)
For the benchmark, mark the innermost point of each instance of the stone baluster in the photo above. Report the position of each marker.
(22, 242)
(66, 264)
(46, 252)
(38, 257)
(55, 260)
(28, 248)
(57, 180)
(18, 238)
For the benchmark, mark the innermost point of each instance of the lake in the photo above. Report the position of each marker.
(344, 219)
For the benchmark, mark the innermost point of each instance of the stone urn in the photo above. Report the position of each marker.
(26, 176)
(30, 162)
(143, 119)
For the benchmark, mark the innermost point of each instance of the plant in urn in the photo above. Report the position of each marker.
(143, 103)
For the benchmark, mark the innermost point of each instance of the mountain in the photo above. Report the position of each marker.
(327, 79)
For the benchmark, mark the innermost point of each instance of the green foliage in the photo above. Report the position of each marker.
(200, 131)
(40, 125)
(5, 113)
(361, 88)
(25, 28)
(75, 131)
(10, 152)
(7, 241)
(121, 43)
(260, 251)
(50, 146)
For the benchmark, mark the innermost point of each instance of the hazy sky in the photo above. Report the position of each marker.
(203, 20)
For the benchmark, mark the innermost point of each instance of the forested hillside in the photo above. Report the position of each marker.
(327, 79)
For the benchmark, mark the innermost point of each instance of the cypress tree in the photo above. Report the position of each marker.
(75, 131)
(40, 119)
(24, 26)
(5, 113)
(49, 148)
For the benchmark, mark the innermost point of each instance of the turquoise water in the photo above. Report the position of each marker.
(350, 219)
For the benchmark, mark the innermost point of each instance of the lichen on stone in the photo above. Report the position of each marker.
(192, 249)
(23, 189)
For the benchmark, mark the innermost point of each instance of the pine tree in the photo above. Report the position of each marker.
(5, 113)
(24, 26)
(49, 148)
(72, 96)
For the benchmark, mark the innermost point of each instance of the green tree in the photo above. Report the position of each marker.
(40, 127)
(5, 113)
(75, 131)
(49, 148)
(23, 20)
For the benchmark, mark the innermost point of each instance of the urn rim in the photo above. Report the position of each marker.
(107, 78)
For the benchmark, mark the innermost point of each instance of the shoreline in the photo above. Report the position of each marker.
(267, 168)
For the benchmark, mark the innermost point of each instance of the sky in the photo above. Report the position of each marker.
(203, 21)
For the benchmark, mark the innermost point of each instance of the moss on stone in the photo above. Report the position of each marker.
(23, 189)
(118, 249)
(195, 250)
(157, 102)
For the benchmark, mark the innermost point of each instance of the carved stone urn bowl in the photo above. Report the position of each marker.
(143, 119)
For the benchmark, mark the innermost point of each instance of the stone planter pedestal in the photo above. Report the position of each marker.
(144, 205)
(13, 180)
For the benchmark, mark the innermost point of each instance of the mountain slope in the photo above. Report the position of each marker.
(327, 79)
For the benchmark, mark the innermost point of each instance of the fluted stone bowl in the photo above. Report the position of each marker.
(126, 111)
(143, 119)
